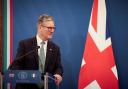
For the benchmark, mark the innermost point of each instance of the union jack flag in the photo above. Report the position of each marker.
(98, 69)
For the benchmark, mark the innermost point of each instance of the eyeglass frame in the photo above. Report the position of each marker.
(50, 28)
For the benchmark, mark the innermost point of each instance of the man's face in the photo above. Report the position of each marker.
(46, 30)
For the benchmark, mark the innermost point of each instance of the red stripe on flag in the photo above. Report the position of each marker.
(11, 31)
(94, 14)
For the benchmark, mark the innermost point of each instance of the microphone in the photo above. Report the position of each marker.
(36, 48)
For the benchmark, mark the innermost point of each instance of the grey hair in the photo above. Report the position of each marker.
(44, 17)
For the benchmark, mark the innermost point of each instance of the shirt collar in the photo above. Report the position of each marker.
(39, 40)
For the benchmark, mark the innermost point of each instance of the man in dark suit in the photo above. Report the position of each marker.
(51, 53)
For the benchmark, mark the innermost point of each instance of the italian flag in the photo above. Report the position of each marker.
(7, 36)
(7, 33)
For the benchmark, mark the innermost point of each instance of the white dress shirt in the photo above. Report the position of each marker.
(39, 43)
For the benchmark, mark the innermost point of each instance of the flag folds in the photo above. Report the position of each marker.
(98, 69)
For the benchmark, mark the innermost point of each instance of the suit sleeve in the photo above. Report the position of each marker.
(59, 67)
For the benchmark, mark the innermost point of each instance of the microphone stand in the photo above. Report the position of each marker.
(46, 81)
(28, 53)
(46, 76)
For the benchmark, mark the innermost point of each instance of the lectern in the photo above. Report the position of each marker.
(12, 77)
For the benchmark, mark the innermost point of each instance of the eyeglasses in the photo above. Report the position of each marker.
(49, 28)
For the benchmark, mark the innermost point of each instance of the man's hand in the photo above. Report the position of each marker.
(58, 79)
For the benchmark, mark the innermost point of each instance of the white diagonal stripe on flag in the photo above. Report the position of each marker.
(114, 70)
(93, 85)
(83, 62)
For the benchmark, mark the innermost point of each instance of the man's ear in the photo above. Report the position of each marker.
(39, 26)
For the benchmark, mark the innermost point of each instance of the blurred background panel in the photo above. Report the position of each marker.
(0, 35)
(0, 42)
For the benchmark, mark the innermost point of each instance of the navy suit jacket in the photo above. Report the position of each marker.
(31, 61)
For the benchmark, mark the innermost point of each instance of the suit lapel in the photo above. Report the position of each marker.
(34, 45)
